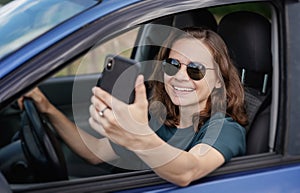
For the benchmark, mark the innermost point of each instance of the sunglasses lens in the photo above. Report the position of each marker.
(170, 66)
(196, 71)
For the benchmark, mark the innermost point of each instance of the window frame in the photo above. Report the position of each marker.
(65, 50)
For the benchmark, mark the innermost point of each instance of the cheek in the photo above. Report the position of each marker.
(210, 82)
(166, 78)
(210, 86)
(204, 88)
(166, 82)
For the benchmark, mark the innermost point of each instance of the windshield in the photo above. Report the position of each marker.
(23, 20)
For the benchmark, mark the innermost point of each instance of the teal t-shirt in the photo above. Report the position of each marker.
(222, 133)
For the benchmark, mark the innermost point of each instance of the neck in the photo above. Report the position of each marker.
(186, 115)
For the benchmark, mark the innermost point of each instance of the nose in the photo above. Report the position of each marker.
(182, 74)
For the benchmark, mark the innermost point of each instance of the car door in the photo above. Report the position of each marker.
(71, 91)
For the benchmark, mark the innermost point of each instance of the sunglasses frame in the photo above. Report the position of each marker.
(189, 67)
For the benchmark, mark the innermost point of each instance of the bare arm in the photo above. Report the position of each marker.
(127, 125)
(84, 144)
(178, 166)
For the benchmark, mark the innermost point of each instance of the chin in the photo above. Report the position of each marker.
(181, 102)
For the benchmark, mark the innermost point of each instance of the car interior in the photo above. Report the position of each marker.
(250, 49)
(248, 36)
(254, 62)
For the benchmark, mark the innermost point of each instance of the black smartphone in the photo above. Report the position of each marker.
(119, 76)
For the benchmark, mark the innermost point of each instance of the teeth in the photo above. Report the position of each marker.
(183, 89)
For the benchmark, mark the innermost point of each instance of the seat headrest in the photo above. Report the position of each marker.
(196, 18)
(248, 37)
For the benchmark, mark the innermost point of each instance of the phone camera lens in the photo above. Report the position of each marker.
(109, 64)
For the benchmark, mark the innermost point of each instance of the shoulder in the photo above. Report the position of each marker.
(219, 121)
(222, 125)
(225, 135)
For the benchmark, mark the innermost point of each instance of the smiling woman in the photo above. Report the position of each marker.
(195, 104)
(179, 92)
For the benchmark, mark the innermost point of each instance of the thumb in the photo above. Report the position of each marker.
(140, 91)
(20, 102)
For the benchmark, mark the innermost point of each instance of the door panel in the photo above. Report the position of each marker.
(72, 96)
(71, 93)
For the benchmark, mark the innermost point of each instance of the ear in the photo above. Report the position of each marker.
(218, 83)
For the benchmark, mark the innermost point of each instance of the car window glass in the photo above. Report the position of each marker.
(93, 61)
(31, 19)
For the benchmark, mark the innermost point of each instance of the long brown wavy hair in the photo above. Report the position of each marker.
(229, 100)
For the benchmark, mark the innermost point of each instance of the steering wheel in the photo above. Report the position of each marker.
(41, 147)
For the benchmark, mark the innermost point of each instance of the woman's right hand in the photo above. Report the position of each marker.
(39, 99)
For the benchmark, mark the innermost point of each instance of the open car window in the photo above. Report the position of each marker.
(142, 44)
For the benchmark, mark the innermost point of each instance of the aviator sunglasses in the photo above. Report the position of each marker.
(196, 71)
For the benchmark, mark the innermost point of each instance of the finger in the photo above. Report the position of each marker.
(106, 98)
(31, 94)
(35, 94)
(97, 103)
(96, 121)
(94, 114)
(105, 120)
(20, 103)
(103, 124)
(108, 120)
(97, 127)
(97, 107)
(140, 92)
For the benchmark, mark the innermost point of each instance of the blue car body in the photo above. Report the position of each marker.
(277, 171)
(275, 179)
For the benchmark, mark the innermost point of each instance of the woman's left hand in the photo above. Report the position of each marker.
(124, 124)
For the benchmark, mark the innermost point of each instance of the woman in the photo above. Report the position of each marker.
(196, 113)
